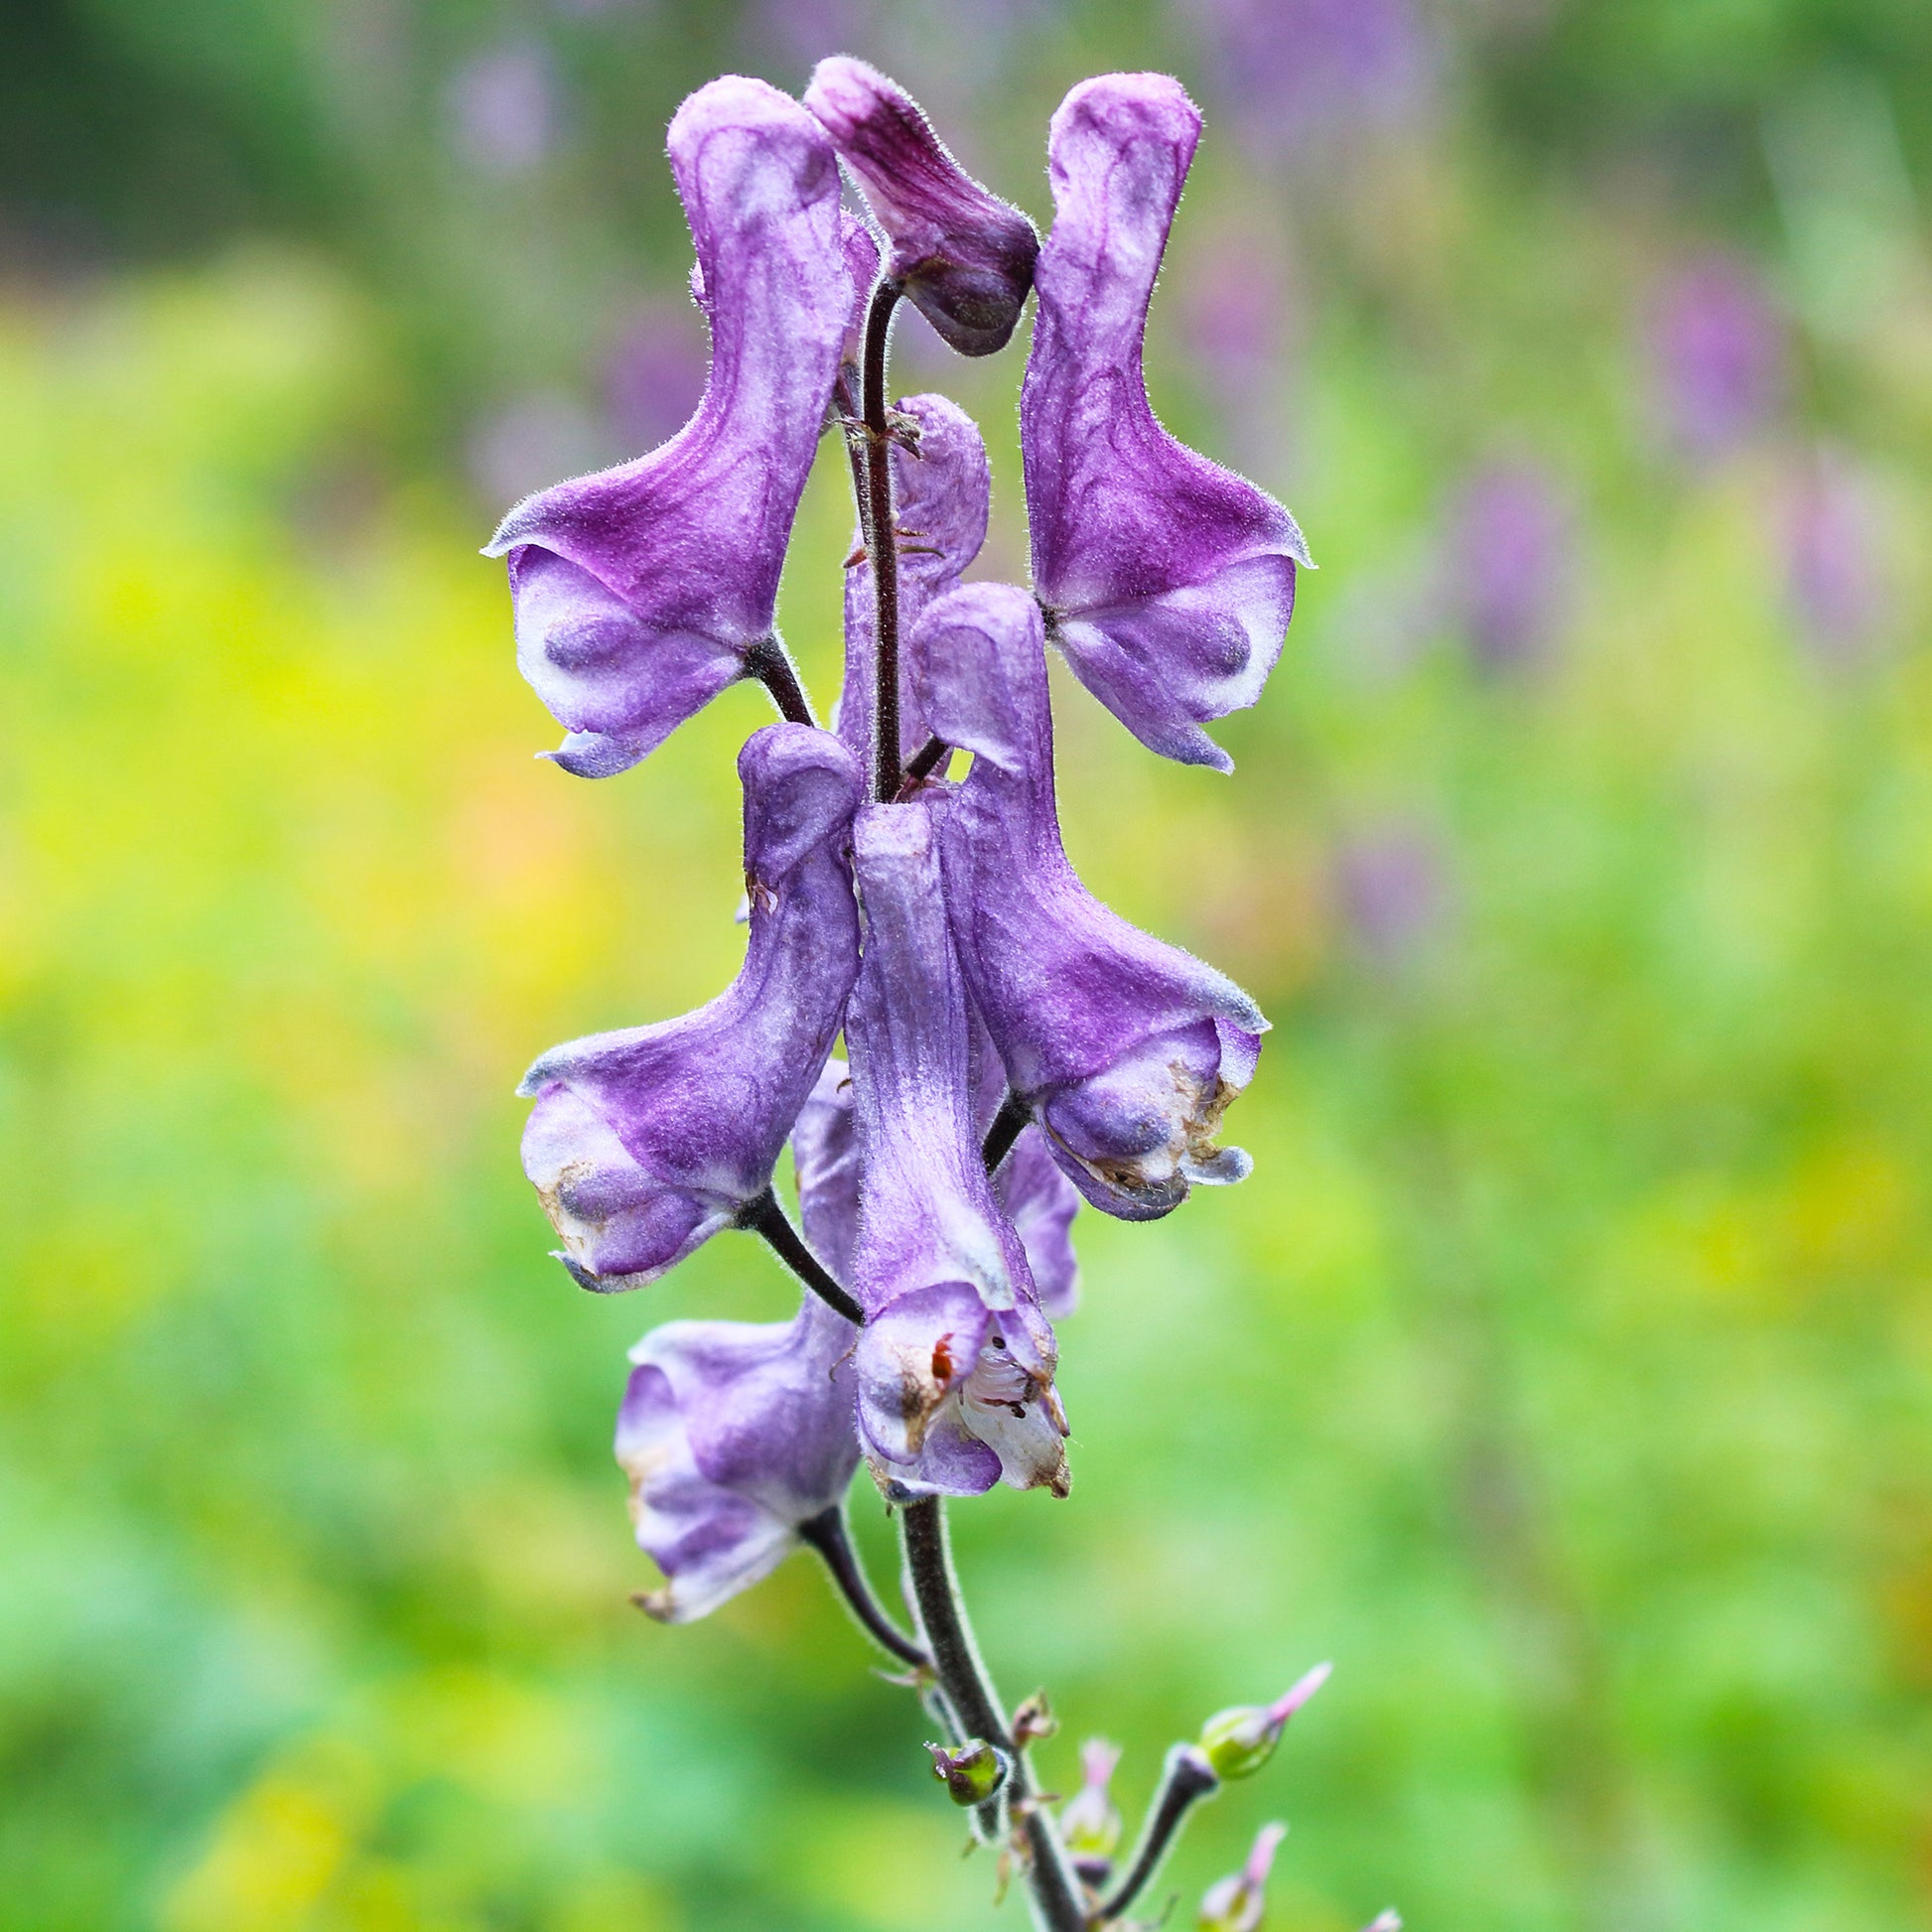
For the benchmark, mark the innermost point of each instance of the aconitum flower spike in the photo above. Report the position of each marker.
(644, 591)
(964, 256)
(1090, 1819)
(644, 1143)
(1168, 581)
(942, 491)
(1127, 1050)
(955, 1362)
(733, 1434)
(1240, 1741)
(1030, 1189)
(1239, 1904)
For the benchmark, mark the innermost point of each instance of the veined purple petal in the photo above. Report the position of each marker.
(1170, 580)
(942, 497)
(733, 1433)
(641, 590)
(965, 256)
(1127, 1050)
(644, 1143)
(956, 1363)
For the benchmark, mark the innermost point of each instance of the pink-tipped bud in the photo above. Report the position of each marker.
(1239, 1904)
(1089, 1819)
(1239, 1741)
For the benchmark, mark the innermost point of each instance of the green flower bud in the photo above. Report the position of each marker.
(1238, 1742)
(973, 1772)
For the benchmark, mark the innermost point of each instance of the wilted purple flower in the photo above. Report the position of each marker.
(1717, 356)
(1168, 580)
(1127, 1051)
(1390, 877)
(1511, 559)
(955, 1362)
(644, 591)
(503, 109)
(733, 1434)
(942, 494)
(1296, 74)
(965, 257)
(655, 375)
(1835, 569)
(644, 1143)
(1239, 1903)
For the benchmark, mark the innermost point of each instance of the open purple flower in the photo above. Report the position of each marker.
(1127, 1050)
(644, 591)
(942, 494)
(1168, 580)
(964, 256)
(733, 1434)
(644, 1143)
(955, 1362)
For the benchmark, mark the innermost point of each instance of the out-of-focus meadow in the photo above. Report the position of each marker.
(1563, 1371)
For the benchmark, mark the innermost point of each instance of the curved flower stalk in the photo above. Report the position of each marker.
(956, 1363)
(964, 256)
(1168, 581)
(942, 488)
(644, 591)
(735, 1434)
(1125, 1050)
(644, 1143)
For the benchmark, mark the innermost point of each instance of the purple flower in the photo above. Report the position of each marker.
(965, 257)
(1835, 576)
(955, 1362)
(504, 109)
(1168, 580)
(1392, 883)
(1717, 356)
(1125, 1050)
(644, 591)
(941, 496)
(1238, 1905)
(655, 374)
(644, 1143)
(733, 1434)
(1512, 542)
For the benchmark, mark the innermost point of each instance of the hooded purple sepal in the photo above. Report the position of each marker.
(965, 257)
(1127, 1050)
(641, 591)
(733, 1434)
(644, 1143)
(954, 1367)
(943, 491)
(1170, 580)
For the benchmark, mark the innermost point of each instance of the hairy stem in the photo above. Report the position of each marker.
(1057, 1904)
(826, 1533)
(764, 1216)
(1008, 1125)
(882, 543)
(1186, 1779)
(923, 764)
(771, 663)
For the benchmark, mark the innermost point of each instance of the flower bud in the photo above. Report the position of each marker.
(1089, 1819)
(1238, 1903)
(973, 1772)
(1384, 1922)
(965, 257)
(1238, 1742)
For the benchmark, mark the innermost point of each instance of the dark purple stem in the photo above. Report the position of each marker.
(1187, 1778)
(1008, 1125)
(826, 1533)
(771, 663)
(882, 542)
(764, 1216)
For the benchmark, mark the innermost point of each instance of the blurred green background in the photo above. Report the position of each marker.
(1562, 1370)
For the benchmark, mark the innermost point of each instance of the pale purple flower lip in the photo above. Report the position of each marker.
(644, 591)
(956, 1363)
(965, 257)
(643, 1144)
(1127, 1050)
(734, 1435)
(1168, 580)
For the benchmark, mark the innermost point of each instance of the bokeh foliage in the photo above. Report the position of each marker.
(1563, 1371)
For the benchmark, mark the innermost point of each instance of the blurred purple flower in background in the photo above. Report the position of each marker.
(1836, 579)
(1295, 73)
(801, 32)
(504, 109)
(1236, 317)
(515, 447)
(655, 375)
(1391, 883)
(1717, 346)
(1511, 561)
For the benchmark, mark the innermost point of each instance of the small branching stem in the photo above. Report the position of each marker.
(1008, 1125)
(771, 663)
(826, 1533)
(1186, 1779)
(764, 1216)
